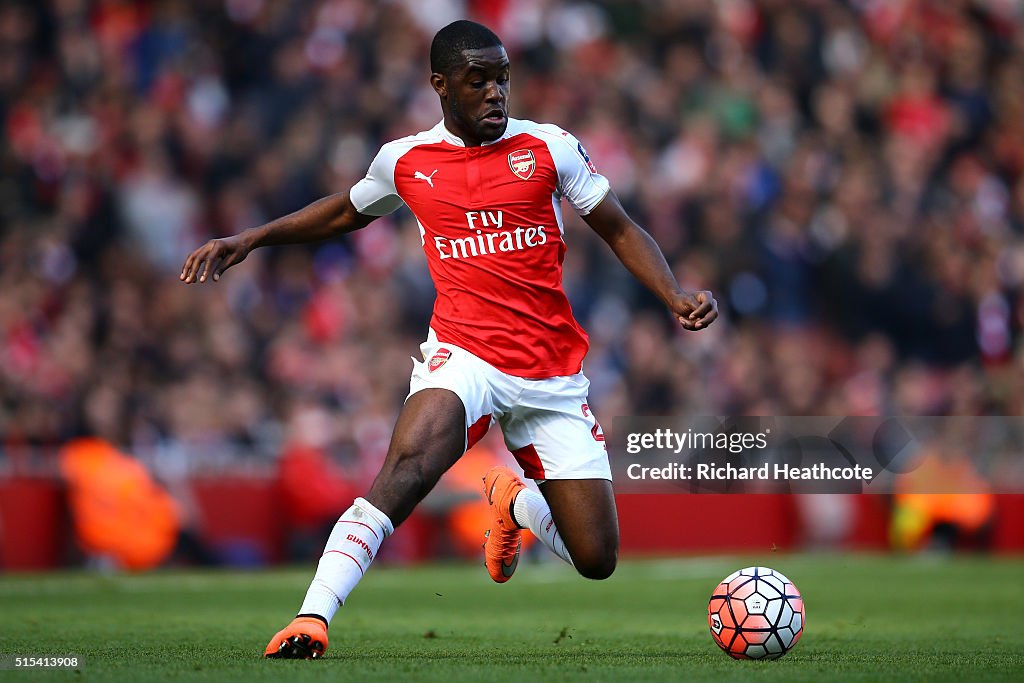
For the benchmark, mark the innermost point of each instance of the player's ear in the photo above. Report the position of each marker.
(440, 84)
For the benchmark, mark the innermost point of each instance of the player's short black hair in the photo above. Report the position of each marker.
(449, 43)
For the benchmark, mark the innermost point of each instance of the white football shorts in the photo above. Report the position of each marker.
(547, 423)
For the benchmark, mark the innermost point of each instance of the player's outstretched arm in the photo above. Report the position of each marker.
(643, 258)
(323, 219)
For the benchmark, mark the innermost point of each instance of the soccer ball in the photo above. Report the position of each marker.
(756, 613)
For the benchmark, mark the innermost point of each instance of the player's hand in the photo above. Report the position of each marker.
(213, 258)
(695, 310)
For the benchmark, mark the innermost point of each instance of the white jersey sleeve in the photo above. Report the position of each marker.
(375, 195)
(578, 179)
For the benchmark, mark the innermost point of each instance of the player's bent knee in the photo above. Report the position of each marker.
(598, 571)
(598, 566)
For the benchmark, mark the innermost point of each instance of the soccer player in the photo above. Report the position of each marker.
(503, 345)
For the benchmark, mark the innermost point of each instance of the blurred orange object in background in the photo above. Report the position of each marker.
(118, 510)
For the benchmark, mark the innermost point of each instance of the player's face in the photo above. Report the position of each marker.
(475, 97)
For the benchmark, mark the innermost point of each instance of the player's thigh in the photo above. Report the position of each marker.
(449, 407)
(429, 437)
(430, 427)
(585, 516)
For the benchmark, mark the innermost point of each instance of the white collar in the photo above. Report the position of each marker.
(454, 139)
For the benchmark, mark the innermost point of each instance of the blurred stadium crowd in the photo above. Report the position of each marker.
(847, 177)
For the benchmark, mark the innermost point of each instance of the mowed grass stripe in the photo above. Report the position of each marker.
(870, 618)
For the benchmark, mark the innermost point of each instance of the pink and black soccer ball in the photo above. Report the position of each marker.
(756, 613)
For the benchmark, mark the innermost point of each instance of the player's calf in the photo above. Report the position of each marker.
(583, 512)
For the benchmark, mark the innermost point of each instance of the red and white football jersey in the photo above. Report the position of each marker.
(490, 222)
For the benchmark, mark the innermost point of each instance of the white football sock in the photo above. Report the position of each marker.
(353, 544)
(530, 507)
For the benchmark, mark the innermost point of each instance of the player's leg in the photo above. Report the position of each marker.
(429, 437)
(557, 441)
(448, 408)
(574, 518)
(585, 523)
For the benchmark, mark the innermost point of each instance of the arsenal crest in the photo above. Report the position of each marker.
(439, 359)
(522, 163)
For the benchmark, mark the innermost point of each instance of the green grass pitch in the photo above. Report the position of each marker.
(869, 618)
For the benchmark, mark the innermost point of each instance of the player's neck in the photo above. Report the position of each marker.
(466, 135)
(453, 128)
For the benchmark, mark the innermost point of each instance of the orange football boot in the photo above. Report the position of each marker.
(504, 538)
(304, 638)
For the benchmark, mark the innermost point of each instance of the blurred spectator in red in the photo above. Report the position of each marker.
(310, 483)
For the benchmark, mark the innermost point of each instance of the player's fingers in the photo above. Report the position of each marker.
(196, 261)
(211, 266)
(200, 261)
(192, 264)
(185, 268)
(703, 302)
(707, 312)
(701, 310)
(686, 323)
(228, 261)
(711, 317)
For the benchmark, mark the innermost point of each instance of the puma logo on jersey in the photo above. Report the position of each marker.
(418, 175)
